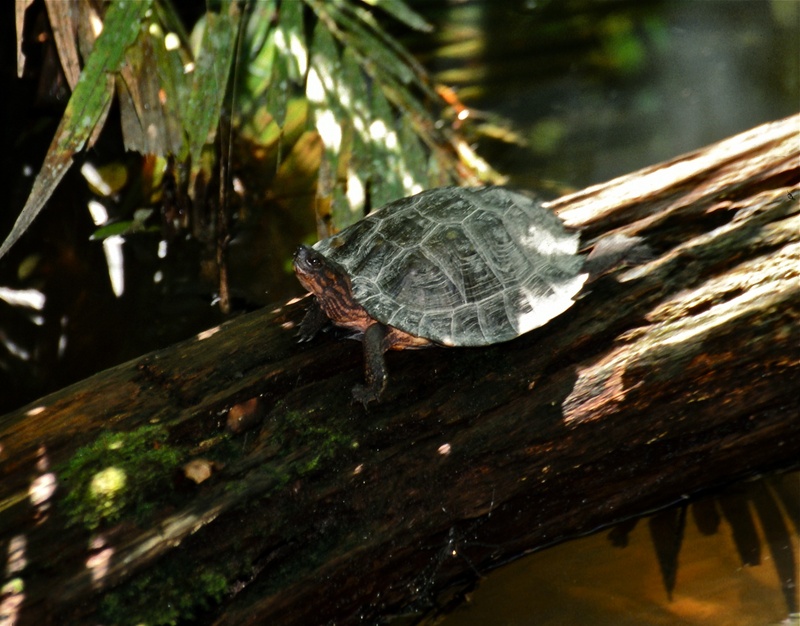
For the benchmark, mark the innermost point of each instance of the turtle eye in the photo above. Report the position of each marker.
(315, 262)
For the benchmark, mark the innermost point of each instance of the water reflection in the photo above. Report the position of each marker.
(730, 559)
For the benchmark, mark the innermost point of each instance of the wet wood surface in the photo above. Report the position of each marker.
(291, 505)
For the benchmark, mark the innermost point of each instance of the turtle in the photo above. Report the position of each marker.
(451, 266)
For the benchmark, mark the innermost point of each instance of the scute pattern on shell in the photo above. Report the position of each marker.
(461, 267)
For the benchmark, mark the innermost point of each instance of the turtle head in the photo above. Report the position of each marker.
(315, 272)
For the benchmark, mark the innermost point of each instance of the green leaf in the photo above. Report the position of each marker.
(415, 160)
(401, 12)
(371, 46)
(293, 46)
(149, 91)
(259, 102)
(386, 152)
(127, 227)
(117, 228)
(86, 109)
(322, 91)
(211, 78)
(360, 114)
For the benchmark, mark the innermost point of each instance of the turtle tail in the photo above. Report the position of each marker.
(614, 251)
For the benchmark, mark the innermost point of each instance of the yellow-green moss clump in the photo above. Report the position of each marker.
(174, 591)
(299, 431)
(118, 474)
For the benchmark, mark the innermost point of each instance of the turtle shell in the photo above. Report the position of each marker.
(460, 267)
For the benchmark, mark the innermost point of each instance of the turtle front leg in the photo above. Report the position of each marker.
(313, 321)
(374, 366)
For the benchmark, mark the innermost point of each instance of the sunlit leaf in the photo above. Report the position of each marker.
(360, 162)
(126, 227)
(292, 46)
(262, 91)
(321, 86)
(259, 51)
(368, 107)
(86, 108)
(415, 161)
(173, 78)
(375, 55)
(386, 152)
(394, 48)
(211, 78)
(322, 91)
(151, 122)
(400, 11)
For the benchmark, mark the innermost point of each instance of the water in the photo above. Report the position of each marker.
(737, 564)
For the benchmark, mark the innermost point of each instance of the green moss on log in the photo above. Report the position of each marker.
(118, 474)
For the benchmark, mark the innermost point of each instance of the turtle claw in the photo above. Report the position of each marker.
(365, 395)
(304, 337)
(313, 321)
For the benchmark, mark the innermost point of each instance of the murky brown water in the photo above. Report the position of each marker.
(737, 565)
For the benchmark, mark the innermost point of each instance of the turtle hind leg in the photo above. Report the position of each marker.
(374, 366)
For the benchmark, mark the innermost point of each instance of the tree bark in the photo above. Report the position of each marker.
(258, 493)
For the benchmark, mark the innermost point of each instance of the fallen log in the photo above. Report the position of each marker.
(230, 480)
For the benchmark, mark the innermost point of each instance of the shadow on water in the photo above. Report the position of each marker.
(728, 559)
